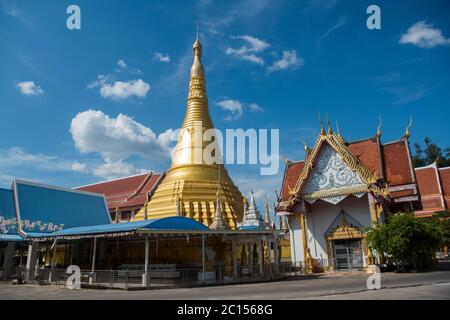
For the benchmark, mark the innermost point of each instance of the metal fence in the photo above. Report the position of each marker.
(169, 277)
(165, 278)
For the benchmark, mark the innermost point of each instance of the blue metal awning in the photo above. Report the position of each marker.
(10, 238)
(164, 224)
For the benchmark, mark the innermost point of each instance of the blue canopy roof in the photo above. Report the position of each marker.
(169, 224)
(46, 209)
(8, 221)
(10, 237)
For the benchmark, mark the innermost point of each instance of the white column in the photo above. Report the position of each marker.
(8, 257)
(32, 257)
(147, 249)
(233, 252)
(260, 257)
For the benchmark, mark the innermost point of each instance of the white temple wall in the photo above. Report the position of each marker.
(322, 215)
(318, 221)
(295, 240)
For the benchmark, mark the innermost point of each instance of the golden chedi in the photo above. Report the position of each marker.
(191, 185)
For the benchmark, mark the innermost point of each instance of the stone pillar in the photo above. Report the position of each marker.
(32, 256)
(8, 259)
(234, 257)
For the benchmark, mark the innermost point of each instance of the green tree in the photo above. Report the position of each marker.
(431, 152)
(406, 240)
(442, 220)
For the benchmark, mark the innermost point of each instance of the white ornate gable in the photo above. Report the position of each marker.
(331, 173)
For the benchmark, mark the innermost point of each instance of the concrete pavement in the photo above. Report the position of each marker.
(330, 286)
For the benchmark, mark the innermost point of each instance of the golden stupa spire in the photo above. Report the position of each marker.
(201, 184)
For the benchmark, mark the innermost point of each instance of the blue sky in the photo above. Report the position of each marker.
(79, 106)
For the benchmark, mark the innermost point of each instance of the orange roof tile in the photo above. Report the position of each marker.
(367, 151)
(397, 163)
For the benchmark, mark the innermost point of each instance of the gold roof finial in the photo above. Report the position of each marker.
(322, 130)
(338, 130)
(379, 126)
(330, 131)
(407, 131)
(305, 146)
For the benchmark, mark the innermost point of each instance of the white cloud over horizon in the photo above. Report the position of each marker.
(424, 35)
(117, 138)
(18, 157)
(29, 88)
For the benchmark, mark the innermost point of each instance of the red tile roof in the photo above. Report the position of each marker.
(293, 170)
(367, 151)
(397, 163)
(445, 182)
(429, 187)
(125, 193)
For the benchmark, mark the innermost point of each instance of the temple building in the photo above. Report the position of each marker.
(177, 225)
(342, 187)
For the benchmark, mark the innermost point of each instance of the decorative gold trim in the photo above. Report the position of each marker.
(338, 144)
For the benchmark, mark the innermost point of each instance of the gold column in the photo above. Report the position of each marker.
(373, 210)
(306, 253)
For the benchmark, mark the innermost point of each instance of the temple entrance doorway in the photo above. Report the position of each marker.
(348, 254)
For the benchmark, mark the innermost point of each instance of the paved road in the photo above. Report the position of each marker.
(433, 285)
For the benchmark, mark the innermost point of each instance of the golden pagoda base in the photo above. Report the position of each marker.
(195, 187)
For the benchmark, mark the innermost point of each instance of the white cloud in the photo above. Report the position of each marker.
(249, 52)
(115, 169)
(29, 88)
(255, 108)
(121, 64)
(161, 57)
(120, 90)
(236, 108)
(118, 138)
(289, 60)
(424, 35)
